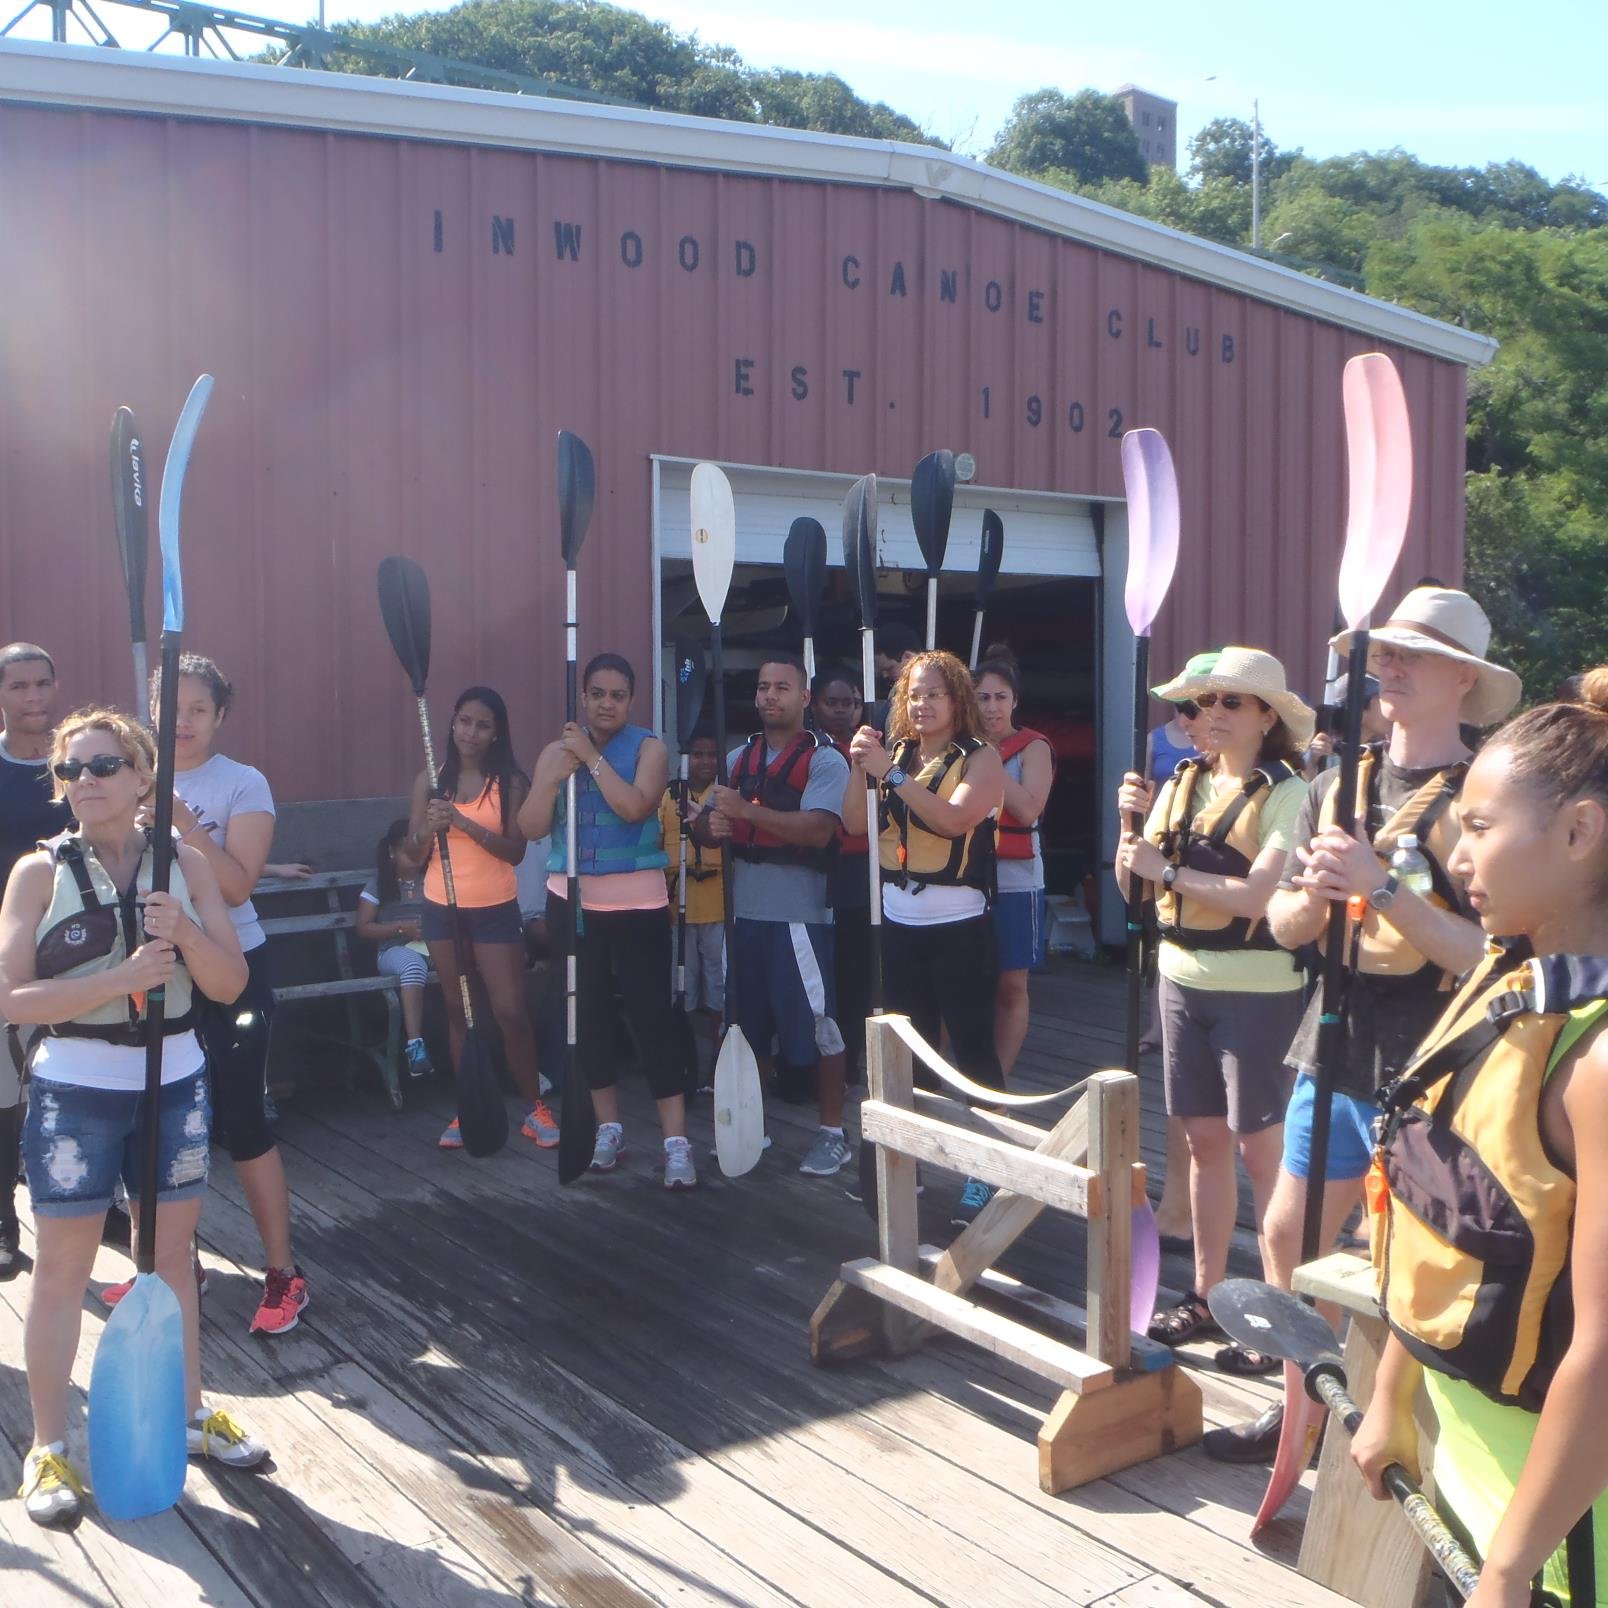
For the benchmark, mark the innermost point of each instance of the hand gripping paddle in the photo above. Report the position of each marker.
(129, 511)
(577, 491)
(405, 608)
(804, 565)
(1262, 1318)
(691, 675)
(932, 501)
(137, 1440)
(1379, 458)
(739, 1106)
(988, 559)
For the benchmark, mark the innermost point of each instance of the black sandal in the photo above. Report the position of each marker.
(1245, 1363)
(1191, 1318)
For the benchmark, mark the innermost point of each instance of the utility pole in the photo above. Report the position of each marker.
(1256, 174)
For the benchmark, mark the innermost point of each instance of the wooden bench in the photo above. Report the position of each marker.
(338, 919)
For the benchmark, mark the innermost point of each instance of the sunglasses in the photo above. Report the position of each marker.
(1229, 700)
(102, 765)
(1188, 709)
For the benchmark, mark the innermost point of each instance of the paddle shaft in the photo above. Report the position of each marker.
(977, 638)
(868, 674)
(681, 885)
(156, 998)
(1331, 1018)
(932, 613)
(572, 881)
(459, 949)
(1443, 1546)
(727, 889)
(1136, 892)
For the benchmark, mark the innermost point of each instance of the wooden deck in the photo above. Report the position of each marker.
(505, 1392)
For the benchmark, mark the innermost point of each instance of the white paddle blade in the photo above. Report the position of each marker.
(1152, 488)
(1379, 457)
(714, 537)
(739, 1107)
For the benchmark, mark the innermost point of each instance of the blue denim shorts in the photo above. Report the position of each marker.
(77, 1142)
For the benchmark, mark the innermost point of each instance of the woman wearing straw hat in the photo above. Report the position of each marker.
(1212, 851)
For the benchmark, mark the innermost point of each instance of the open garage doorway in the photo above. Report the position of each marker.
(1046, 606)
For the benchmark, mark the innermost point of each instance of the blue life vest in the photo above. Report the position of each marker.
(604, 844)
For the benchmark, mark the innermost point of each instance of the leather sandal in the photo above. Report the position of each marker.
(1191, 1318)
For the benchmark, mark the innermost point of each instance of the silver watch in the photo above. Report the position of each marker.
(1384, 896)
(1169, 876)
(896, 776)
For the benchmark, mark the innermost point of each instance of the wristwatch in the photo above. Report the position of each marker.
(1384, 896)
(896, 777)
(1169, 876)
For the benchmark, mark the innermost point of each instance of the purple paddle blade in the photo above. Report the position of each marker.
(1379, 458)
(1152, 487)
(1144, 1276)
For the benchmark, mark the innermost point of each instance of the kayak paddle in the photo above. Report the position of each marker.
(133, 542)
(932, 501)
(988, 559)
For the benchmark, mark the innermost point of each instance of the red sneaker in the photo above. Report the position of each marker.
(113, 1293)
(284, 1295)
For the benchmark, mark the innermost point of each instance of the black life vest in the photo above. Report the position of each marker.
(778, 786)
(914, 857)
(1221, 839)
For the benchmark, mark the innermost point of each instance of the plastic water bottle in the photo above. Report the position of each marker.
(1410, 867)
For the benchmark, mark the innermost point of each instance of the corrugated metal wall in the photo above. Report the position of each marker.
(398, 329)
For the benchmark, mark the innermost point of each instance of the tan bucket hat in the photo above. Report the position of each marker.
(1253, 671)
(1436, 619)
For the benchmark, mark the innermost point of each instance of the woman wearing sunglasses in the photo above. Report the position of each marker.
(1211, 855)
(74, 960)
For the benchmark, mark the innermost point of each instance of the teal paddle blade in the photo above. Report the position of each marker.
(137, 1444)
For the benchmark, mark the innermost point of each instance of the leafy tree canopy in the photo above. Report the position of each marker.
(1085, 137)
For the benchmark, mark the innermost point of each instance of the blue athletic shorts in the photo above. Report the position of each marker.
(783, 972)
(77, 1142)
(1019, 929)
(1351, 1133)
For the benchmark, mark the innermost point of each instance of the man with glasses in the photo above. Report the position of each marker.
(1433, 678)
(28, 814)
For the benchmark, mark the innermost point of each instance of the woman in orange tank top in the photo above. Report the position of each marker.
(481, 789)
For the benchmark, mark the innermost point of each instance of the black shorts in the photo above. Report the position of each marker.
(480, 924)
(235, 1038)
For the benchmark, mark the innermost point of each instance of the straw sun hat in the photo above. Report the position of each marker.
(1253, 671)
(1435, 619)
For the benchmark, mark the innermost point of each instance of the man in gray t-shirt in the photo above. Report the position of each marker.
(780, 816)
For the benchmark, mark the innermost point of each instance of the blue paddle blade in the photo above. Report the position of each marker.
(137, 1444)
(167, 513)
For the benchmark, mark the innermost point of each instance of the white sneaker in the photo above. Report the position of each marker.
(218, 1438)
(679, 1172)
(609, 1148)
(51, 1491)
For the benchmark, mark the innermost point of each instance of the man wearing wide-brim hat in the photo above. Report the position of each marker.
(1434, 680)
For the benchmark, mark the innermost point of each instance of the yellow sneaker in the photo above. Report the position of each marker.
(51, 1490)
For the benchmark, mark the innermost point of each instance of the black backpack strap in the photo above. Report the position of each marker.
(71, 855)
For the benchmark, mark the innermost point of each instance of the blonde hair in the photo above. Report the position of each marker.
(129, 735)
(962, 696)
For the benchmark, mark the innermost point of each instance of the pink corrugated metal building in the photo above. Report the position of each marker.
(406, 291)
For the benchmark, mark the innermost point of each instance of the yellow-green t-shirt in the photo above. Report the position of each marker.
(1243, 971)
(706, 899)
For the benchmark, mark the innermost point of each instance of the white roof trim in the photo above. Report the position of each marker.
(178, 86)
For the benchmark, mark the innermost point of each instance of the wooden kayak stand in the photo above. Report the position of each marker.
(1122, 1399)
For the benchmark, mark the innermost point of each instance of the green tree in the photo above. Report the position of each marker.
(1086, 135)
(1222, 150)
(824, 102)
(1218, 209)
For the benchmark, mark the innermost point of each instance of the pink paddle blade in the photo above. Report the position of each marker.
(1303, 1417)
(1144, 1277)
(1379, 456)
(1152, 488)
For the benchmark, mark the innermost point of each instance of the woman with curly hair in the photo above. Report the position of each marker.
(939, 786)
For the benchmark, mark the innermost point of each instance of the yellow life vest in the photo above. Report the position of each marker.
(1428, 815)
(1472, 1214)
(912, 856)
(1223, 839)
(90, 927)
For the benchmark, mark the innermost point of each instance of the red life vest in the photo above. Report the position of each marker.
(1014, 840)
(849, 842)
(777, 786)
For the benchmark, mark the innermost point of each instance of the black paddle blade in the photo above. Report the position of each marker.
(577, 490)
(932, 500)
(405, 608)
(1262, 1318)
(129, 511)
(577, 1123)
(990, 554)
(482, 1112)
(860, 547)
(804, 564)
(692, 676)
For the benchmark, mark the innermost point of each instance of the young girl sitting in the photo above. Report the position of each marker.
(390, 913)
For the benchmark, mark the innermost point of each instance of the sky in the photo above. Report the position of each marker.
(1454, 83)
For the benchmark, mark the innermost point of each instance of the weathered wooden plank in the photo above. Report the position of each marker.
(1113, 1149)
(889, 1070)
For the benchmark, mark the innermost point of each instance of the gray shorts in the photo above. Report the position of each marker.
(706, 966)
(1223, 1053)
